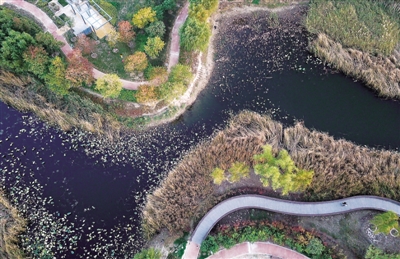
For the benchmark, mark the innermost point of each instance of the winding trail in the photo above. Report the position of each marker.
(66, 49)
(282, 206)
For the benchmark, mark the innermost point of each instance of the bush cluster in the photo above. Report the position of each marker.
(296, 238)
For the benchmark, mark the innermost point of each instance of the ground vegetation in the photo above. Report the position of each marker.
(296, 238)
(386, 222)
(360, 38)
(341, 169)
(11, 225)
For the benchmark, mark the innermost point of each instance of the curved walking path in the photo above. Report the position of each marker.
(282, 206)
(66, 49)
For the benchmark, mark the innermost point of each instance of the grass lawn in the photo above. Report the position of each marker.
(128, 95)
(109, 62)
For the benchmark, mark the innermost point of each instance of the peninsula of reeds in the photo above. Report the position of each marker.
(11, 225)
(341, 169)
(360, 38)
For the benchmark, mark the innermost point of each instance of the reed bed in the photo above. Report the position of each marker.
(67, 112)
(11, 225)
(341, 169)
(378, 72)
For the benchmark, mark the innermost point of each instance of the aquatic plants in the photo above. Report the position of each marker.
(11, 225)
(360, 38)
(362, 24)
(341, 169)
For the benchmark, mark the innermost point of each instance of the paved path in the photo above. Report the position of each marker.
(257, 248)
(282, 206)
(174, 50)
(66, 49)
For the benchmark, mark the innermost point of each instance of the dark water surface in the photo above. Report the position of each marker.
(83, 196)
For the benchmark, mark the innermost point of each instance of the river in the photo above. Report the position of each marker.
(83, 195)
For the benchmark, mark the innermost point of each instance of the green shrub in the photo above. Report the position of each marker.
(209, 246)
(376, 253)
(128, 95)
(315, 247)
(194, 35)
(150, 253)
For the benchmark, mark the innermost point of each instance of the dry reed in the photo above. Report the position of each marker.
(15, 90)
(341, 169)
(378, 72)
(11, 225)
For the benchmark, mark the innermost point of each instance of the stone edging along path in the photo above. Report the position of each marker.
(66, 49)
(282, 206)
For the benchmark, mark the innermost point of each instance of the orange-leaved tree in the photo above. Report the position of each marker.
(85, 44)
(79, 70)
(146, 94)
(126, 32)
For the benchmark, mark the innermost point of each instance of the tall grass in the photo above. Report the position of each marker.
(67, 112)
(360, 38)
(366, 25)
(11, 225)
(379, 73)
(341, 169)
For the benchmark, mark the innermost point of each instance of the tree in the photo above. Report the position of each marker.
(136, 62)
(156, 29)
(12, 48)
(154, 46)
(36, 59)
(385, 222)
(55, 79)
(180, 74)
(79, 70)
(112, 38)
(48, 42)
(146, 94)
(85, 44)
(280, 171)
(158, 75)
(126, 32)
(194, 35)
(150, 253)
(218, 175)
(170, 91)
(143, 17)
(198, 12)
(238, 170)
(210, 5)
(109, 85)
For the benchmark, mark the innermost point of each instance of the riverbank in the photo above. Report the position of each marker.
(360, 38)
(341, 169)
(11, 225)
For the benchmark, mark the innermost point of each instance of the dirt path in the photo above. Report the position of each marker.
(66, 49)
